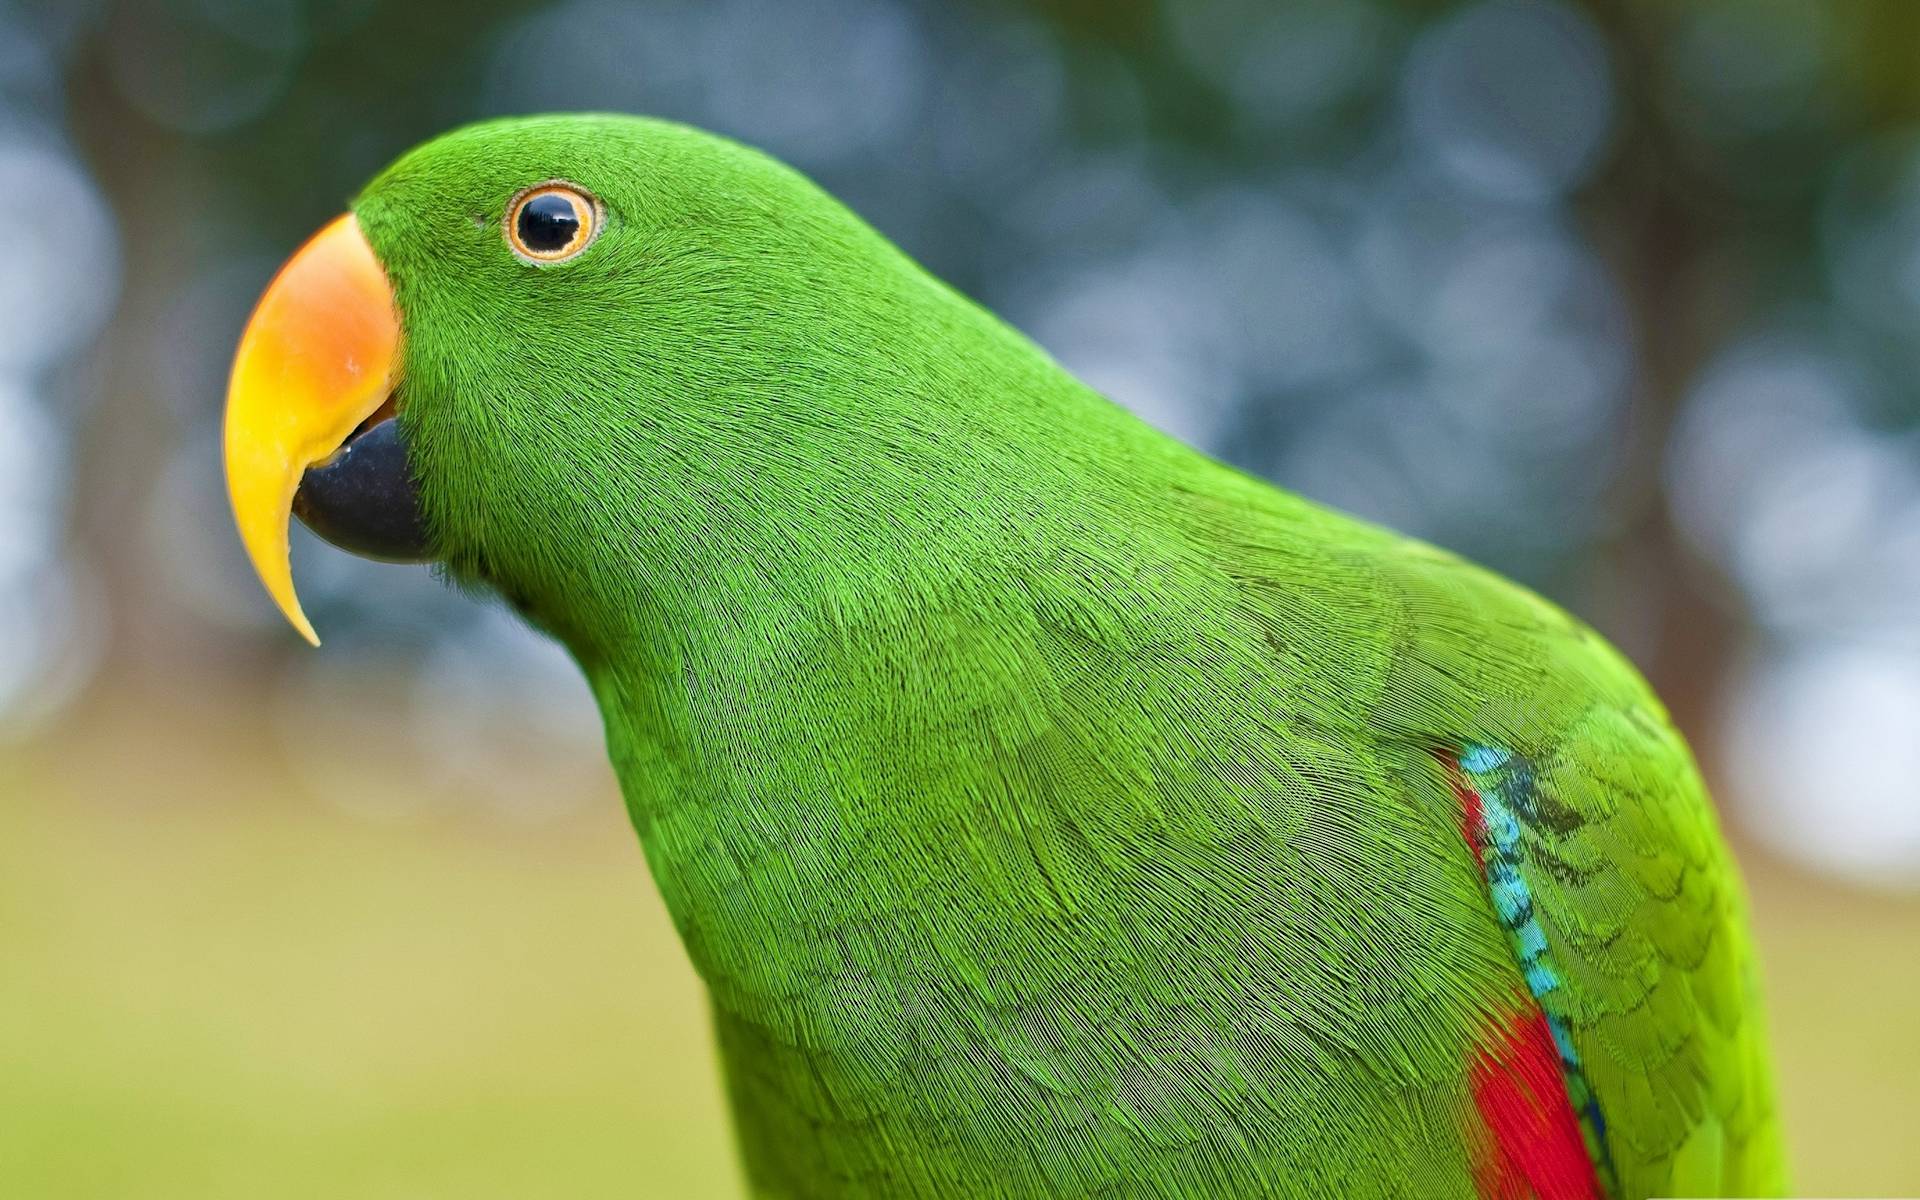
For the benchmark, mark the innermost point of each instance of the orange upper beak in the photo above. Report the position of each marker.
(318, 357)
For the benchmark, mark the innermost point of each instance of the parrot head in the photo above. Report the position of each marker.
(571, 357)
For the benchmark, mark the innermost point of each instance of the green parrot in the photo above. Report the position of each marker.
(1050, 810)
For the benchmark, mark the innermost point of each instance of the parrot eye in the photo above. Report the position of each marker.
(551, 222)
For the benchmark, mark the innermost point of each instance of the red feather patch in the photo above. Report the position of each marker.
(1537, 1146)
(1473, 815)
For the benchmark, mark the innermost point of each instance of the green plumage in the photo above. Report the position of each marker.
(1050, 810)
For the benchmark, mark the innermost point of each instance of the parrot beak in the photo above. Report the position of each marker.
(310, 426)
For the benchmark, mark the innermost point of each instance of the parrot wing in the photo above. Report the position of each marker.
(1277, 855)
(1605, 868)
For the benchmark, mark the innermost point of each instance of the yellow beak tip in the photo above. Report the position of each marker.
(316, 359)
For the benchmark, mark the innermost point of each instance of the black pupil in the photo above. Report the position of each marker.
(547, 223)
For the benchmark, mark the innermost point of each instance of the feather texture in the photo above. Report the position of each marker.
(1539, 1146)
(1496, 792)
(1049, 809)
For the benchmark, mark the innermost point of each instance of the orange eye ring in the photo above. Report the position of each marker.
(551, 222)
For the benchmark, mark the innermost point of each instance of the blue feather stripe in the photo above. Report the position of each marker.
(1505, 786)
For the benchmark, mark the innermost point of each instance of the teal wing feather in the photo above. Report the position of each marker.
(1646, 966)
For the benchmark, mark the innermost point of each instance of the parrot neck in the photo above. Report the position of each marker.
(856, 668)
(854, 562)
(865, 492)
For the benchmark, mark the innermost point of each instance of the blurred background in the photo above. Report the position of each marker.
(1619, 298)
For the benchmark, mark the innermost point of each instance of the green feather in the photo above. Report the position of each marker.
(1049, 809)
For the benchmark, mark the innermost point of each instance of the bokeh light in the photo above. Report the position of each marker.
(58, 280)
(1823, 747)
(1512, 98)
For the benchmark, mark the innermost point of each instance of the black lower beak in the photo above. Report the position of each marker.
(363, 499)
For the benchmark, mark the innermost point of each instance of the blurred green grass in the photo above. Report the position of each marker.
(218, 986)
